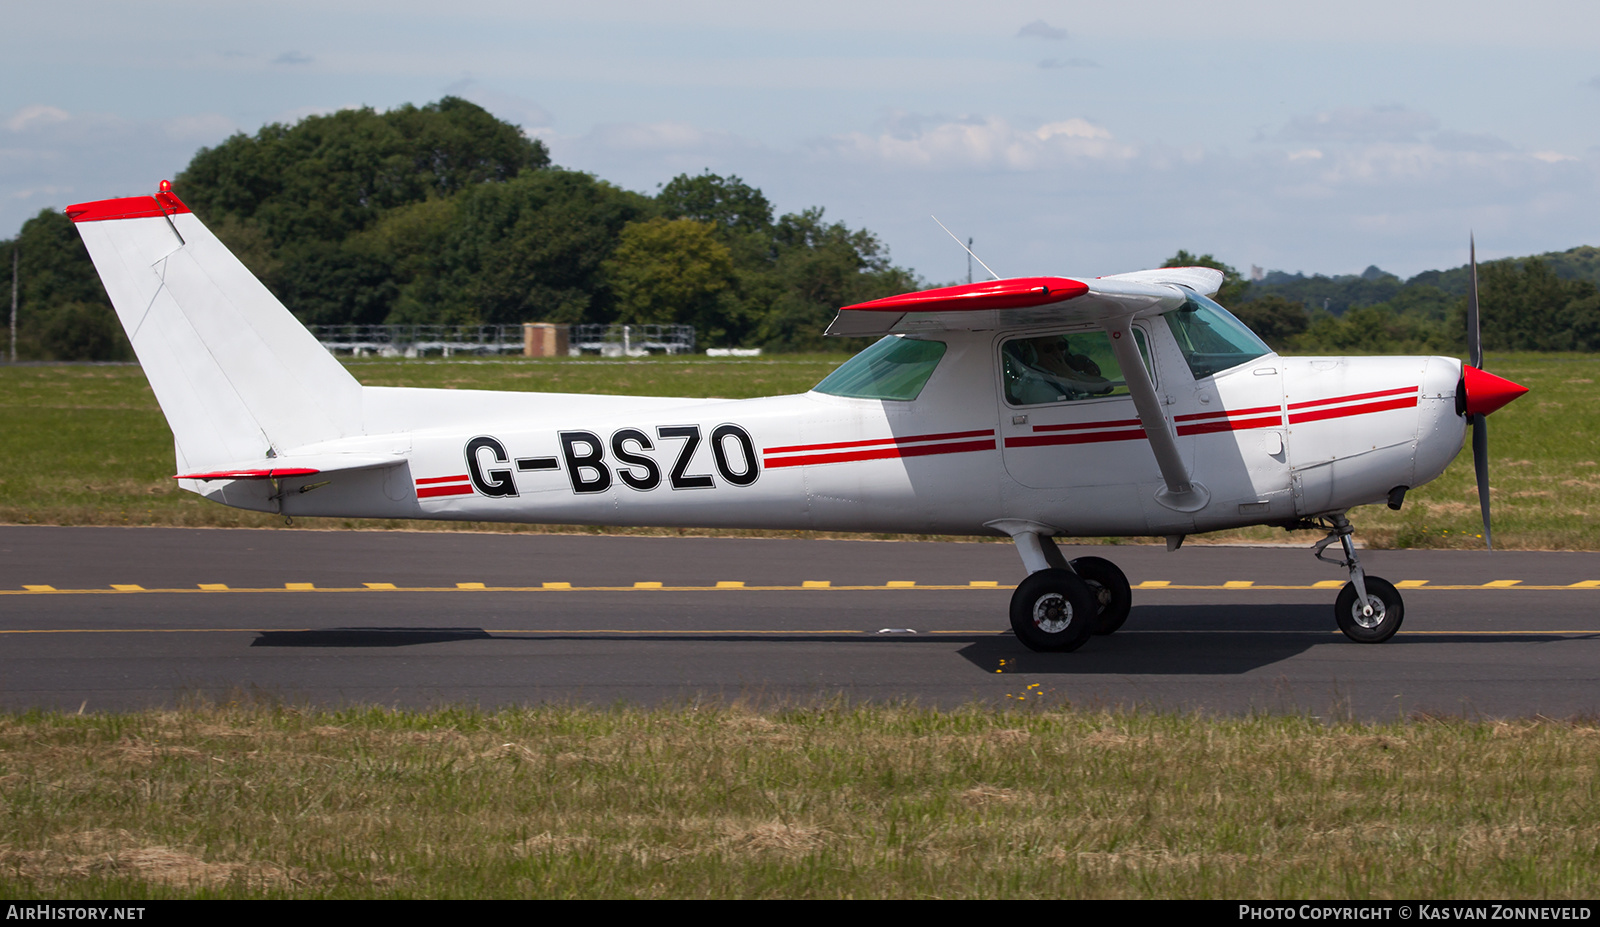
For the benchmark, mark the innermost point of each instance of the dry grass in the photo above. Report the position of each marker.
(825, 801)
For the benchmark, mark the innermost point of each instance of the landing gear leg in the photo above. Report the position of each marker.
(1369, 609)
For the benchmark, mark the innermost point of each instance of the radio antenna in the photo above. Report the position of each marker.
(964, 247)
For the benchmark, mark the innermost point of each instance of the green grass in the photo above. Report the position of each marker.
(821, 802)
(87, 445)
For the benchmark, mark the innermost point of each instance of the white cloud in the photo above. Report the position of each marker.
(51, 157)
(1552, 157)
(1359, 124)
(986, 142)
(1039, 29)
(36, 116)
(1055, 63)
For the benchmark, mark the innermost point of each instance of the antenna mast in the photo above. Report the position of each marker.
(966, 248)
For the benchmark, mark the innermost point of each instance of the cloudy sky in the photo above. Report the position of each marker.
(1064, 137)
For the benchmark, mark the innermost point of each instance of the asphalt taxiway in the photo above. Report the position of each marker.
(121, 618)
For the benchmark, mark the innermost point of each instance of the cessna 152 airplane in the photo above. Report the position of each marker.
(1034, 407)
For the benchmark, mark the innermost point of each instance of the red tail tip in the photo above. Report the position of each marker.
(1487, 392)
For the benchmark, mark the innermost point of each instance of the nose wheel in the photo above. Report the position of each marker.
(1369, 610)
(1375, 623)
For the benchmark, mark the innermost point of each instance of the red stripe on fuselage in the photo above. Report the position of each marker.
(442, 479)
(913, 439)
(1230, 413)
(1232, 424)
(1362, 409)
(1084, 426)
(883, 453)
(428, 492)
(1089, 437)
(1351, 398)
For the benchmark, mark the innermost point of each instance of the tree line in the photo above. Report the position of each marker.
(444, 214)
(1545, 303)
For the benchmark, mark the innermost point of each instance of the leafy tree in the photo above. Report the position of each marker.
(63, 311)
(292, 196)
(1277, 320)
(820, 267)
(674, 271)
(728, 202)
(1529, 308)
(535, 248)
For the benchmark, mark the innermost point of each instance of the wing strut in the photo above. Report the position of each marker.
(1181, 494)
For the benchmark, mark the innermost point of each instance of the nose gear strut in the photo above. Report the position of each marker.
(1369, 610)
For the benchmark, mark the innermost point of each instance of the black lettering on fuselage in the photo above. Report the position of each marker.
(747, 449)
(679, 479)
(648, 475)
(591, 459)
(492, 482)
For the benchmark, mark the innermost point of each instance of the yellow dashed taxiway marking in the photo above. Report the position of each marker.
(1158, 585)
(812, 632)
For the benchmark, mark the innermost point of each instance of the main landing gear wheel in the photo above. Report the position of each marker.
(1387, 612)
(1110, 587)
(1053, 610)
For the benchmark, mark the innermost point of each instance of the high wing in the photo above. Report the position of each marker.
(1023, 302)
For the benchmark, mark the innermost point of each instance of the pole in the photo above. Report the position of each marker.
(969, 260)
(16, 254)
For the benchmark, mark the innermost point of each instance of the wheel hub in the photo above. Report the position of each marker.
(1359, 616)
(1052, 613)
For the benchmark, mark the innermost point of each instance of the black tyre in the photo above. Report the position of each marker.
(1110, 587)
(1053, 610)
(1387, 612)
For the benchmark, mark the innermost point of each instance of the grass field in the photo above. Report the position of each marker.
(87, 445)
(829, 802)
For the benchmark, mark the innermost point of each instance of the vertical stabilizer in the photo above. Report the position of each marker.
(238, 377)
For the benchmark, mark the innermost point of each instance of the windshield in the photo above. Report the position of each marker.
(896, 367)
(1211, 339)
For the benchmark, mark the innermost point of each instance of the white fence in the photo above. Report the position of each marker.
(449, 340)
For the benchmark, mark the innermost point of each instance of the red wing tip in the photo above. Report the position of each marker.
(1015, 293)
(163, 203)
(267, 474)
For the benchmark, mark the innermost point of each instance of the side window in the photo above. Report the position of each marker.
(1064, 368)
(896, 368)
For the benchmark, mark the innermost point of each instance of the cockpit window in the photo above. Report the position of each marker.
(1211, 339)
(1064, 368)
(896, 367)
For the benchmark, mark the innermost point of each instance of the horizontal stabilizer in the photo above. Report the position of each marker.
(297, 465)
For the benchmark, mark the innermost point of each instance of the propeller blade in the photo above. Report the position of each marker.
(1474, 341)
(1480, 465)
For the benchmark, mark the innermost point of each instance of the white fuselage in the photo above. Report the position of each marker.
(1272, 441)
